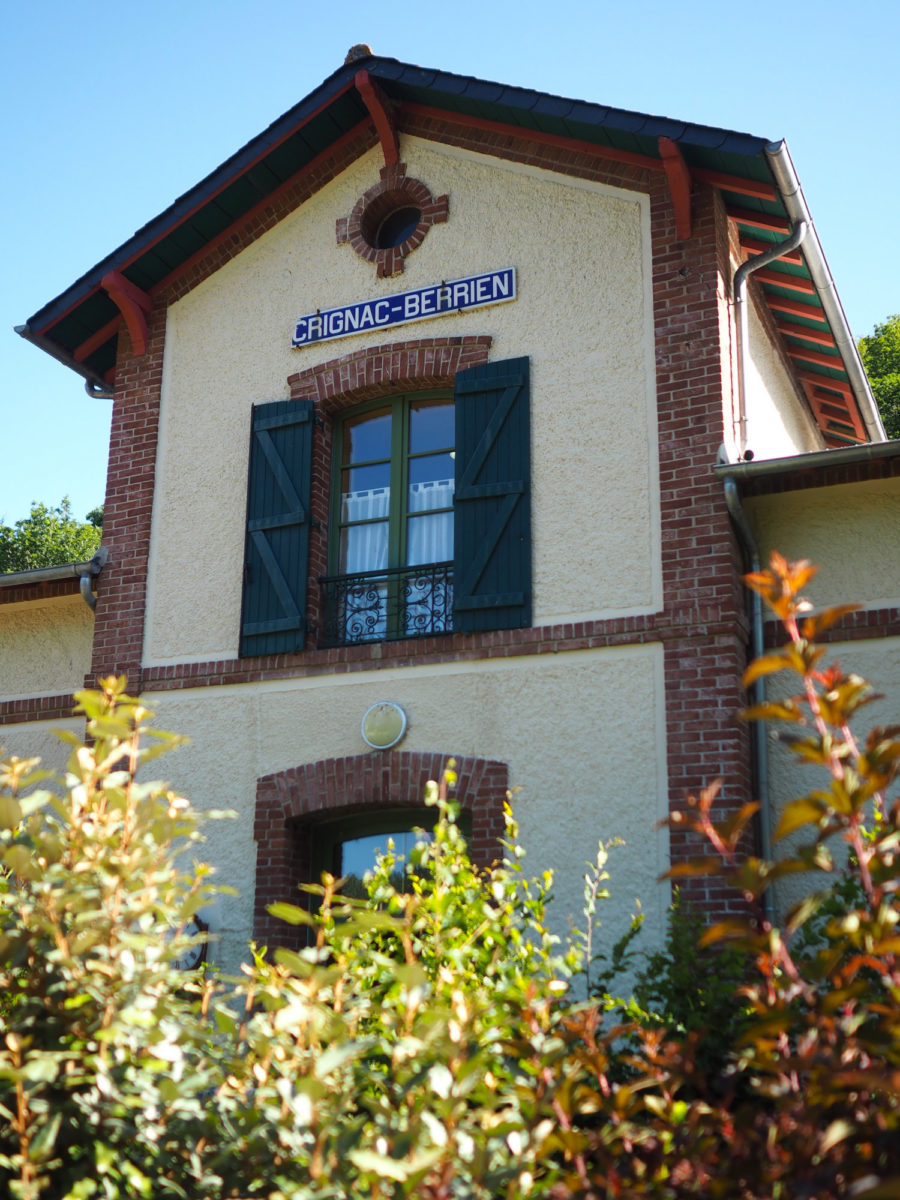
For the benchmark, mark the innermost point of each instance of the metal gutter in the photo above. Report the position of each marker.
(846, 456)
(91, 378)
(84, 572)
(791, 192)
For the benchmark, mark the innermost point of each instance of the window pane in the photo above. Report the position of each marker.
(364, 479)
(368, 437)
(429, 539)
(431, 483)
(359, 854)
(430, 425)
(364, 548)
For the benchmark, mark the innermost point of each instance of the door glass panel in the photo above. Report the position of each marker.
(358, 855)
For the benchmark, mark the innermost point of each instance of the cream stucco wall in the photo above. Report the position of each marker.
(583, 734)
(37, 739)
(850, 532)
(583, 316)
(779, 423)
(45, 647)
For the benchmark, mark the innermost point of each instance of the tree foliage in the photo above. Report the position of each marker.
(49, 537)
(880, 353)
(425, 1040)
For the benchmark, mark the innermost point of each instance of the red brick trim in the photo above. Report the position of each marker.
(23, 593)
(37, 708)
(703, 625)
(289, 802)
(858, 626)
(395, 190)
(122, 587)
(374, 371)
(701, 561)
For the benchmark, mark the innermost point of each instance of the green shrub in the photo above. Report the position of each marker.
(426, 1041)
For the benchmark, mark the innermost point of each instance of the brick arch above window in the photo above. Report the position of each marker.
(289, 802)
(374, 371)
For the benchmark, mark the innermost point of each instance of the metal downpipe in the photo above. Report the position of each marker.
(741, 275)
(759, 738)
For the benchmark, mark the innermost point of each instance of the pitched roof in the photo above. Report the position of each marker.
(756, 178)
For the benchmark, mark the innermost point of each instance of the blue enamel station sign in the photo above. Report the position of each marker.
(440, 299)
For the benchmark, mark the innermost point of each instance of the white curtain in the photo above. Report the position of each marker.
(430, 539)
(366, 546)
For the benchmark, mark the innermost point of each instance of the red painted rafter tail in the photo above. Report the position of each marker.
(679, 179)
(133, 304)
(380, 111)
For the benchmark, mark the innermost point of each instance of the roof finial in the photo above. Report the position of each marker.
(355, 53)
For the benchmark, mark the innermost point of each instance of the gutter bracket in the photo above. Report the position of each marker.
(381, 113)
(679, 178)
(133, 304)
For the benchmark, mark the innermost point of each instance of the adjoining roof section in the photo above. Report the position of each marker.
(80, 326)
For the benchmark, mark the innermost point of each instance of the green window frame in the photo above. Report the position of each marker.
(400, 407)
(392, 519)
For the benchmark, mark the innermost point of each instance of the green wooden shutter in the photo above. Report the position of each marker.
(273, 618)
(492, 505)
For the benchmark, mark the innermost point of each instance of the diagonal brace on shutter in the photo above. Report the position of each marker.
(279, 583)
(478, 564)
(491, 430)
(296, 510)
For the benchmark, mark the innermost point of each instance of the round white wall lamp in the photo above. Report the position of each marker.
(383, 725)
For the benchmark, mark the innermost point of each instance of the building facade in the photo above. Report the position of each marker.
(426, 400)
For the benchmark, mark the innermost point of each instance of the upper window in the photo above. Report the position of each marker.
(429, 518)
(392, 521)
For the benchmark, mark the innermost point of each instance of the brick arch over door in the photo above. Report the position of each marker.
(290, 802)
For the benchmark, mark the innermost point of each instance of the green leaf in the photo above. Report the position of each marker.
(335, 1057)
(292, 913)
(44, 1140)
(798, 813)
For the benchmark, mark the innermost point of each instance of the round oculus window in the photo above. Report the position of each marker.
(396, 227)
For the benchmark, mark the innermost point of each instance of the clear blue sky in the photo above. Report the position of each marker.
(112, 109)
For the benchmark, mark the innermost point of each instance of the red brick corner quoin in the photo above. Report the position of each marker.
(290, 802)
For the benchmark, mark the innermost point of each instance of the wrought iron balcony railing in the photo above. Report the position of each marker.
(375, 606)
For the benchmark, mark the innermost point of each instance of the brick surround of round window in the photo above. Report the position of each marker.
(393, 194)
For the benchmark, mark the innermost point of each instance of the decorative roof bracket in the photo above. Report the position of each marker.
(380, 111)
(679, 176)
(133, 304)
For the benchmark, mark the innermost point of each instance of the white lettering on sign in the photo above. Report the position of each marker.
(436, 300)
